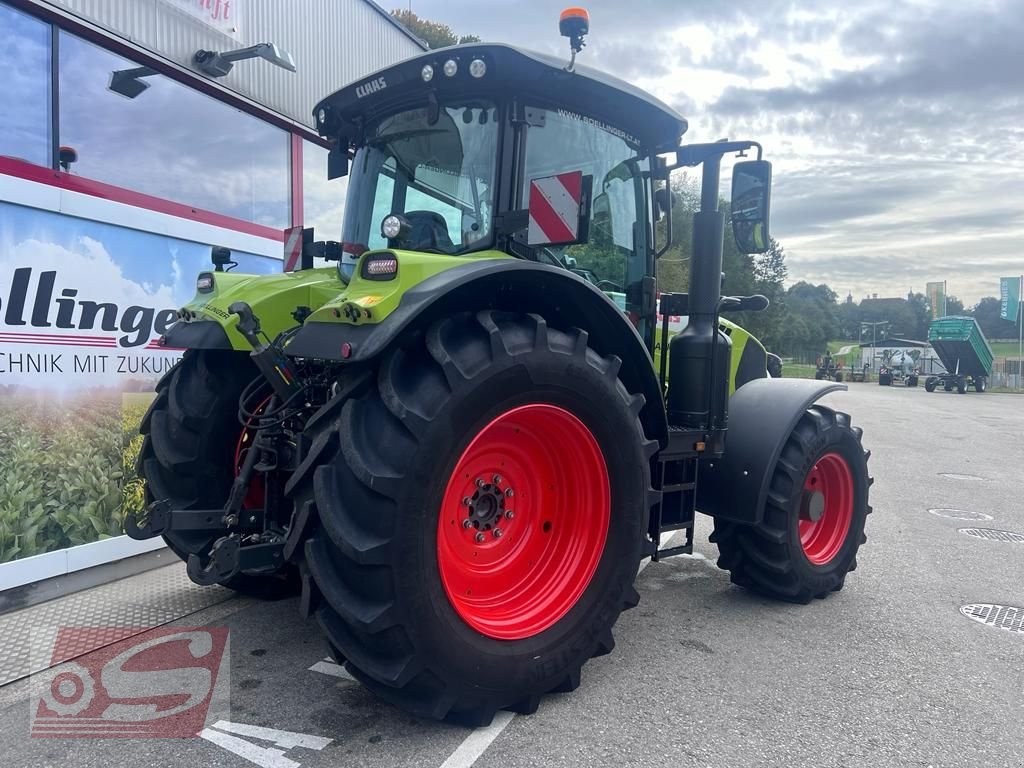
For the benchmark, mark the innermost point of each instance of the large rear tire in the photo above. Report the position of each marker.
(478, 509)
(189, 454)
(813, 521)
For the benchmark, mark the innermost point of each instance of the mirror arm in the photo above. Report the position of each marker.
(691, 155)
(668, 224)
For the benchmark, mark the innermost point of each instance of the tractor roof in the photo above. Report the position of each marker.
(510, 72)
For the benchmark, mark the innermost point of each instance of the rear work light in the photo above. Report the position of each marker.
(204, 283)
(380, 267)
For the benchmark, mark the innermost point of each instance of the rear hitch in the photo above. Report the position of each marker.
(160, 518)
(228, 558)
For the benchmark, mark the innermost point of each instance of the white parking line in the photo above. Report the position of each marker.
(328, 667)
(265, 757)
(477, 742)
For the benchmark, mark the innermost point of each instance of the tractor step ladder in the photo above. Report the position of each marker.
(676, 480)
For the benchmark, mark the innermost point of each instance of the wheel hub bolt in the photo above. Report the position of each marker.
(509, 514)
(498, 533)
(466, 501)
(509, 493)
(467, 523)
(479, 482)
(497, 479)
(479, 538)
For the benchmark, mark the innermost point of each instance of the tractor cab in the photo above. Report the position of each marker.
(481, 148)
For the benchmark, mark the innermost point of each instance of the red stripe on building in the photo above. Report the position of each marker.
(99, 189)
(76, 337)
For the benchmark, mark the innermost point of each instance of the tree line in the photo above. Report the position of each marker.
(804, 317)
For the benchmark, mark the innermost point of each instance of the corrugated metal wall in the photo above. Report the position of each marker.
(333, 42)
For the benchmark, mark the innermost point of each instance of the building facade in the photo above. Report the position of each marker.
(122, 162)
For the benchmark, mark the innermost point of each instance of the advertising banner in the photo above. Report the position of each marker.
(936, 293)
(1009, 298)
(82, 305)
(221, 15)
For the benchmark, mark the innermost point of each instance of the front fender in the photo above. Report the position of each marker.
(762, 414)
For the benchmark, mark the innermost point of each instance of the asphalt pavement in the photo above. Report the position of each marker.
(887, 672)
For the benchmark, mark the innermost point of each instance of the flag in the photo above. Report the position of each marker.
(1009, 298)
(937, 298)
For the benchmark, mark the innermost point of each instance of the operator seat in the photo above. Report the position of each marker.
(429, 231)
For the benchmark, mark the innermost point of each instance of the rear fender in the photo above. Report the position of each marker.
(564, 299)
(762, 414)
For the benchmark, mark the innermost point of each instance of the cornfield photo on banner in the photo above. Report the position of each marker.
(67, 469)
(82, 307)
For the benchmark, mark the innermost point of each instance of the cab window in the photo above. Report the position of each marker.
(614, 258)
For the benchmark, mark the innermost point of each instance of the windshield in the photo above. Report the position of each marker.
(438, 174)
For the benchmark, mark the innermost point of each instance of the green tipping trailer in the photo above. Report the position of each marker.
(964, 352)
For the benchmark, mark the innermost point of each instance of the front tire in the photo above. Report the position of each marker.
(411, 481)
(188, 456)
(806, 543)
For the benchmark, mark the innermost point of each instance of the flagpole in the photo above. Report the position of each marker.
(1020, 334)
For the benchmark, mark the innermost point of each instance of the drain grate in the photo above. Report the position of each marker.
(999, 616)
(960, 514)
(991, 534)
(958, 476)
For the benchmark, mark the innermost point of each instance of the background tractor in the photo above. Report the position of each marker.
(452, 437)
(898, 368)
(828, 368)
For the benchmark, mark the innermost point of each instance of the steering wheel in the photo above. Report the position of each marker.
(608, 285)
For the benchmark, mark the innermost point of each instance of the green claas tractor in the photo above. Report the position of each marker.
(451, 438)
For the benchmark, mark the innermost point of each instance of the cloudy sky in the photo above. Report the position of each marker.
(896, 128)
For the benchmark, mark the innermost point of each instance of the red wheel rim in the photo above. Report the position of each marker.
(255, 494)
(512, 576)
(822, 539)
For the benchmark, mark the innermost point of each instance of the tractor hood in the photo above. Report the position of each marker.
(273, 298)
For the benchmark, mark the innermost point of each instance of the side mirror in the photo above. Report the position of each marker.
(662, 202)
(751, 202)
(221, 258)
(559, 212)
(337, 162)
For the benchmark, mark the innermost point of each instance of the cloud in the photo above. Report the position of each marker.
(896, 129)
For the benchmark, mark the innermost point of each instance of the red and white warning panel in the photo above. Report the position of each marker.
(555, 209)
(292, 248)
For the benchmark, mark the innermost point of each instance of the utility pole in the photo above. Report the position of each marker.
(874, 338)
